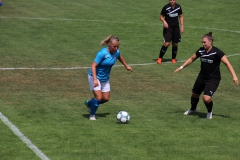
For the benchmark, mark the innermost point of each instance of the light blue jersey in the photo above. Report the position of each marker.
(105, 61)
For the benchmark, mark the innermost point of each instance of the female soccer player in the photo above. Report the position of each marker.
(170, 14)
(98, 74)
(209, 76)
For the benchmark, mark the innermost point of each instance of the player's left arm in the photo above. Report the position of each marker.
(181, 19)
(121, 59)
(230, 68)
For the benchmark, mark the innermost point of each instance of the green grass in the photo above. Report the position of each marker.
(47, 105)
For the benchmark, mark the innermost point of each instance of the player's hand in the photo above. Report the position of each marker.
(95, 83)
(182, 29)
(235, 80)
(178, 69)
(165, 24)
(129, 68)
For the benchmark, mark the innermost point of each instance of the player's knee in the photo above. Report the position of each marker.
(175, 44)
(207, 99)
(195, 95)
(166, 44)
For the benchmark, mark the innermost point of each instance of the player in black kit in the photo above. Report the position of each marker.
(209, 77)
(171, 32)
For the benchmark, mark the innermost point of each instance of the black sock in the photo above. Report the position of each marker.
(174, 52)
(209, 106)
(162, 51)
(194, 102)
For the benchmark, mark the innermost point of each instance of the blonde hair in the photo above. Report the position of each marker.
(109, 40)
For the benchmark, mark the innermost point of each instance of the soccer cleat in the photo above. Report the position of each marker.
(189, 112)
(92, 117)
(174, 61)
(159, 60)
(88, 107)
(209, 115)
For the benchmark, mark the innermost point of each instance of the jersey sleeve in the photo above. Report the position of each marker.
(180, 11)
(163, 12)
(99, 57)
(198, 53)
(220, 54)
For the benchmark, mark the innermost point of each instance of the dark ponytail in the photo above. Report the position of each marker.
(209, 36)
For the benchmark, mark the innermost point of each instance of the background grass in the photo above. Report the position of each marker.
(47, 105)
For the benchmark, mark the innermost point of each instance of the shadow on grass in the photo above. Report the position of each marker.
(122, 123)
(97, 115)
(201, 114)
(163, 60)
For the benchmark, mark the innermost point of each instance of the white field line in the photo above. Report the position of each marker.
(102, 21)
(18, 133)
(105, 21)
(76, 68)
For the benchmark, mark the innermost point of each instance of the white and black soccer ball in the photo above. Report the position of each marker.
(123, 117)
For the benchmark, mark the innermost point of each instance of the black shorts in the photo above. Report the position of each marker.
(172, 34)
(208, 87)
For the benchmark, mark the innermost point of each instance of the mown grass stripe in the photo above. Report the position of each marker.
(105, 21)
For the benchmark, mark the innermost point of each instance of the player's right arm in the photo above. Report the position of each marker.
(189, 61)
(95, 63)
(94, 73)
(165, 24)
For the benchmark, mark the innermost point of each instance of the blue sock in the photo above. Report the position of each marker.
(1, 3)
(90, 102)
(94, 106)
(101, 102)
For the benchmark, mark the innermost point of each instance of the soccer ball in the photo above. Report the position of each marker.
(123, 117)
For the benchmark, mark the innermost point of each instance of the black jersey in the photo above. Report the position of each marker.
(171, 14)
(210, 62)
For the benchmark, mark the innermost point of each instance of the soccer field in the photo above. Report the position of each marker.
(46, 48)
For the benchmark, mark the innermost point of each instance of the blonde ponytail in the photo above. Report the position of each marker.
(109, 39)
